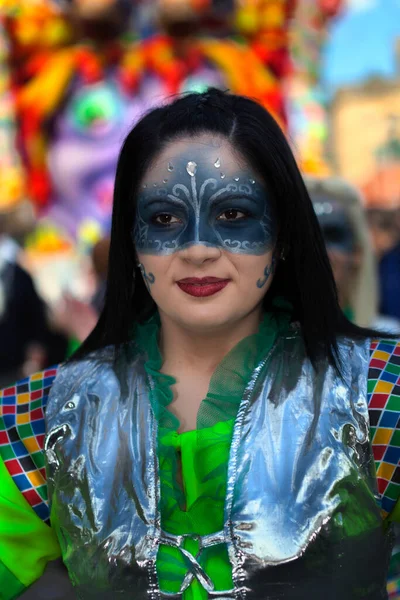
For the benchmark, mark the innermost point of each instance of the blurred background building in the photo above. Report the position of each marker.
(365, 127)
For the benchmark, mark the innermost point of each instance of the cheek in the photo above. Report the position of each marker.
(254, 271)
(155, 266)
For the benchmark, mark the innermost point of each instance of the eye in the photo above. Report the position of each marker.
(165, 219)
(232, 215)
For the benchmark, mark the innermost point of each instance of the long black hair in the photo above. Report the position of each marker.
(304, 277)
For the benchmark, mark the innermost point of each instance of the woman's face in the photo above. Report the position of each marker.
(205, 234)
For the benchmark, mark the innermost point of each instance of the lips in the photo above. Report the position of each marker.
(202, 286)
(201, 280)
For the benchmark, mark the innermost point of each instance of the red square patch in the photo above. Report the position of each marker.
(4, 438)
(378, 401)
(382, 485)
(13, 467)
(378, 451)
(32, 497)
(36, 414)
(9, 391)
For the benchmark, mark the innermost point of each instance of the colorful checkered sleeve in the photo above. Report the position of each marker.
(384, 414)
(22, 430)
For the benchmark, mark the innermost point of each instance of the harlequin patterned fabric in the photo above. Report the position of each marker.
(393, 589)
(384, 413)
(22, 431)
(22, 428)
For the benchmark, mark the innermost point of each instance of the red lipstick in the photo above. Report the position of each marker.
(201, 287)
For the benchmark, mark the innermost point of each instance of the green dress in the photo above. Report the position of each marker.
(198, 459)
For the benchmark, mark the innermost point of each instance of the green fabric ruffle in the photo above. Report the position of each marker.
(194, 502)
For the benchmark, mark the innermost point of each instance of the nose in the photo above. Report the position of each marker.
(197, 254)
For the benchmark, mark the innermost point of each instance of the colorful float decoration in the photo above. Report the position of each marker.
(306, 102)
(76, 91)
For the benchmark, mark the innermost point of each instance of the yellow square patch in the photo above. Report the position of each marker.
(24, 418)
(386, 471)
(31, 445)
(36, 479)
(384, 387)
(22, 398)
(37, 376)
(381, 355)
(382, 437)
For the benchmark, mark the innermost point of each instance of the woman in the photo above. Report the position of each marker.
(210, 438)
(338, 206)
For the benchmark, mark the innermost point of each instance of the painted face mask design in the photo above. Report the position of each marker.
(196, 202)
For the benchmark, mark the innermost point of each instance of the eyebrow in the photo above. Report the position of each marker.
(231, 197)
(215, 199)
(165, 200)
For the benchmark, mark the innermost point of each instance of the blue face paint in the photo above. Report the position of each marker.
(148, 278)
(197, 203)
(268, 271)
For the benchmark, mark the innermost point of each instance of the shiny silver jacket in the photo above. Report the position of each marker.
(301, 514)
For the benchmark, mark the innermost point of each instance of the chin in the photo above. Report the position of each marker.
(205, 318)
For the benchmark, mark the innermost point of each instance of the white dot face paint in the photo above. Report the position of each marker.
(198, 203)
(191, 168)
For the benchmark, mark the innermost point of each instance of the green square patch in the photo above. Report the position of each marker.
(36, 385)
(36, 404)
(393, 403)
(394, 369)
(395, 441)
(25, 431)
(371, 385)
(6, 452)
(38, 459)
(393, 491)
(42, 491)
(372, 433)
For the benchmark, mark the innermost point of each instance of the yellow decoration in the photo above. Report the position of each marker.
(47, 239)
(47, 89)
(90, 232)
(12, 186)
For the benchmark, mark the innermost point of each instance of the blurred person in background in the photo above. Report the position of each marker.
(26, 341)
(351, 252)
(389, 272)
(382, 194)
(76, 318)
(344, 225)
(384, 229)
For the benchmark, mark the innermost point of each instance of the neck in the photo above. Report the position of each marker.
(188, 350)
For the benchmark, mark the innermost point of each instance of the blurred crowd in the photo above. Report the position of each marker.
(36, 334)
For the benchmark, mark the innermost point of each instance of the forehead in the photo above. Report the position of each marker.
(209, 152)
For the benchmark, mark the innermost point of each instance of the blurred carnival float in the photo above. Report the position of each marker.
(76, 74)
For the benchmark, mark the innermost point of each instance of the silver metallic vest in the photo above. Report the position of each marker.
(301, 517)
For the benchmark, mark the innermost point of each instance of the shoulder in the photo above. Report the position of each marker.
(103, 373)
(22, 431)
(23, 414)
(384, 414)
